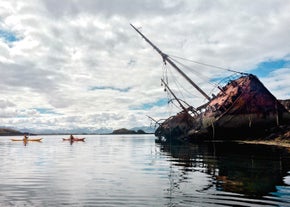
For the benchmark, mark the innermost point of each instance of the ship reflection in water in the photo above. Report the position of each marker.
(251, 170)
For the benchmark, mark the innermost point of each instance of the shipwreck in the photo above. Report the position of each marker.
(243, 108)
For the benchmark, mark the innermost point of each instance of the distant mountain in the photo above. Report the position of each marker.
(70, 131)
(9, 132)
(84, 130)
(81, 130)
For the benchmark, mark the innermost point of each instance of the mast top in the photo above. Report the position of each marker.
(166, 59)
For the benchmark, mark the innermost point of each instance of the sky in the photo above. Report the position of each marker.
(78, 65)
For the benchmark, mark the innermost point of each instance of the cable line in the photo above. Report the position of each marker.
(208, 65)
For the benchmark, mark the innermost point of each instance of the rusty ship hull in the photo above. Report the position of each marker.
(244, 108)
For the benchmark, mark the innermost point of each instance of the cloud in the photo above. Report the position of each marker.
(109, 88)
(278, 82)
(82, 62)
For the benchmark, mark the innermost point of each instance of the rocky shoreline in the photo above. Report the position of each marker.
(279, 136)
(276, 142)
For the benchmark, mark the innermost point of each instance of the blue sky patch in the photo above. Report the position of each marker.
(109, 88)
(264, 68)
(8, 36)
(45, 111)
(146, 106)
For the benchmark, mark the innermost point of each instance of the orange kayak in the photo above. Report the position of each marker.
(74, 139)
(28, 140)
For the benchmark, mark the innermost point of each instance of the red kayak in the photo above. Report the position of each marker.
(74, 139)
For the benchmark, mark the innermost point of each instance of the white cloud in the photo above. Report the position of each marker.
(66, 48)
(278, 83)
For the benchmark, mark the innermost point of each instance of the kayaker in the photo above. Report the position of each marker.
(25, 137)
(71, 138)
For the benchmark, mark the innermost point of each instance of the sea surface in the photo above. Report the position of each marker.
(133, 170)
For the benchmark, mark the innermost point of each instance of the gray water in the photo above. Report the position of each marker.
(133, 170)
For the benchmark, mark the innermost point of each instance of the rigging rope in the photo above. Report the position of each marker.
(205, 78)
(169, 95)
(201, 76)
(208, 65)
(178, 85)
(215, 84)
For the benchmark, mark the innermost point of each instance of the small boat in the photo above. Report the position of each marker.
(28, 140)
(74, 139)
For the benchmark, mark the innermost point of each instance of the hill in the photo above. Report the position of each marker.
(9, 132)
(127, 131)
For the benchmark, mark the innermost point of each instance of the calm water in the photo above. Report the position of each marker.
(130, 170)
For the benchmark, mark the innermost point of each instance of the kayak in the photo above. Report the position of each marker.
(28, 140)
(74, 139)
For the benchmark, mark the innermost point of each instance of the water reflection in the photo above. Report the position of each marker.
(134, 171)
(251, 170)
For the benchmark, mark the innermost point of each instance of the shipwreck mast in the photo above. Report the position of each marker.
(166, 59)
(180, 104)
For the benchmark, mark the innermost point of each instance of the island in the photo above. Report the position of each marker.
(128, 131)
